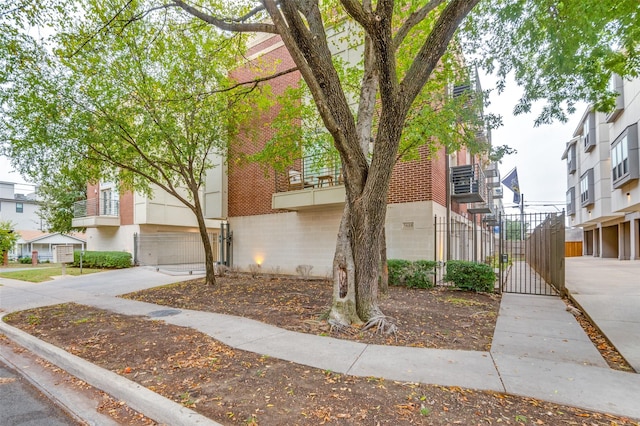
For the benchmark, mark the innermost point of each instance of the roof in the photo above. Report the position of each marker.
(33, 236)
(586, 112)
(566, 150)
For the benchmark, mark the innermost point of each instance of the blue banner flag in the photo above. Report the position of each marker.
(511, 182)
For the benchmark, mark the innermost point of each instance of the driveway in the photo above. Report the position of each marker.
(608, 291)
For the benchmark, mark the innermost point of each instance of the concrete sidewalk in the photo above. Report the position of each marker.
(538, 351)
(608, 291)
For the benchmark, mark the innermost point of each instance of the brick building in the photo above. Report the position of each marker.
(284, 219)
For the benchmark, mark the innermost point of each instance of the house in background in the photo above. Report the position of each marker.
(603, 172)
(19, 205)
(157, 230)
(43, 243)
(292, 218)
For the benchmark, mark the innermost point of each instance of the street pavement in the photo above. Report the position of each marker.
(22, 404)
(538, 348)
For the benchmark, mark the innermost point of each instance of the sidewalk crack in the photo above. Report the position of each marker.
(495, 365)
(357, 359)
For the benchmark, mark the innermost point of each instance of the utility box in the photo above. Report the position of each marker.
(63, 254)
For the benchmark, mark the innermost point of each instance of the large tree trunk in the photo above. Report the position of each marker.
(383, 285)
(365, 244)
(357, 259)
(343, 309)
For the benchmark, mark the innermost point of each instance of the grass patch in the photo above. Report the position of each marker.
(458, 301)
(40, 274)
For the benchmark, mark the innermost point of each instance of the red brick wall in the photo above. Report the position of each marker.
(250, 185)
(419, 180)
(126, 208)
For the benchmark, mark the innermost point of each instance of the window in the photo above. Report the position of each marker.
(571, 203)
(19, 207)
(620, 159)
(571, 159)
(616, 85)
(624, 157)
(589, 132)
(586, 188)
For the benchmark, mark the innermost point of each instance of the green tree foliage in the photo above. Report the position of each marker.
(57, 196)
(560, 52)
(111, 96)
(515, 229)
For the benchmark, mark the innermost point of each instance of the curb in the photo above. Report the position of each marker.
(574, 301)
(141, 399)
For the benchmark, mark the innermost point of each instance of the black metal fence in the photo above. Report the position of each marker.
(173, 251)
(462, 239)
(525, 250)
(532, 253)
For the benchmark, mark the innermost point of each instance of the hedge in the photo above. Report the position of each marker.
(417, 274)
(471, 276)
(103, 259)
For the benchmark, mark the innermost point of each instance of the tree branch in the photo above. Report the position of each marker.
(113, 18)
(413, 20)
(235, 26)
(358, 12)
(433, 48)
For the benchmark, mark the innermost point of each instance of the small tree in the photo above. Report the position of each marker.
(57, 197)
(8, 239)
(515, 229)
(139, 104)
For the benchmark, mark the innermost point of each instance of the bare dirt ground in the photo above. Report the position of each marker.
(236, 387)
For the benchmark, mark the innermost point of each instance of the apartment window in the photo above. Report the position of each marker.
(589, 132)
(571, 201)
(587, 196)
(616, 86)
(571, 159)
(19, 207)
(624, 157)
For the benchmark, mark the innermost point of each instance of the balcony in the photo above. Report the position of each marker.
(311, 182)
(490, 220)
(92, 213)
(468, 184)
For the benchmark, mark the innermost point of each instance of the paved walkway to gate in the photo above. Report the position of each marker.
(608, 291)
(521, 278)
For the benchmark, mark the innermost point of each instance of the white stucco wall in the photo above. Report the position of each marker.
(286, 240)
(111, 238)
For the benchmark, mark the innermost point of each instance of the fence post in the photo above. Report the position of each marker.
(135, 249)
(500, 252)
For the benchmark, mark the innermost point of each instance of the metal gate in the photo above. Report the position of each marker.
(531, 253)
(173, 251)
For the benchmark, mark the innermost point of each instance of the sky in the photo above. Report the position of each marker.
(541, 172)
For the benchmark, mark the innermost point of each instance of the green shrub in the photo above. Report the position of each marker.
(470, 276)
(103, 259)
(397, 268)
(418, 274)
(25, 260)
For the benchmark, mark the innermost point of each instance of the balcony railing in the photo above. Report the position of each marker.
(311, 172)
(468, 184)
(94, 207)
